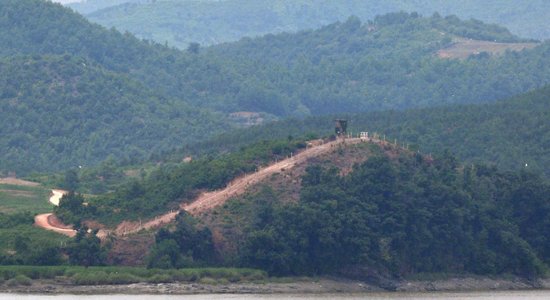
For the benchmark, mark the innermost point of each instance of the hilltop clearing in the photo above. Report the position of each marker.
(464, 48)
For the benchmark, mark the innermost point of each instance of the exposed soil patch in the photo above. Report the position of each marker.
(229, 222)
(17, 181)
(56, 196)
(50, 222)
(131, 250)
(463, 48)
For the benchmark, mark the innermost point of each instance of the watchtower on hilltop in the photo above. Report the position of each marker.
(341, 127)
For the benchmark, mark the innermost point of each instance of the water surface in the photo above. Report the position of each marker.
(500, 295)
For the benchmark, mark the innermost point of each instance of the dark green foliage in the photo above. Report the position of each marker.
(23, 244)
(69, 112)
(125, 275)
(71, 209)
(86, 249)
(70, 181)
(405, 216)
(512, 134)
(86, 92)
(186, 246)
(388, 63)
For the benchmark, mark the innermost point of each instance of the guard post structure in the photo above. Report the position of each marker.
(340, 127)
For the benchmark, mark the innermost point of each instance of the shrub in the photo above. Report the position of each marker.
(160, 278)
(90, 278)
(20, 280)
(122, 278)
(208, 280)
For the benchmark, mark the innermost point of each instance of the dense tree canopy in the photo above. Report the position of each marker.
(403, 216)
(513, 134)
(159, 98)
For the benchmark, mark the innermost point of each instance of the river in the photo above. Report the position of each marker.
(493, 295)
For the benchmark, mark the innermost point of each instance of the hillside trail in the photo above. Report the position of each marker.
(209, 200)
(49, 222)
(56, 196)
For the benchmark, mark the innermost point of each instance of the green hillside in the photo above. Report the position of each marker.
(349, 66)
(393, 214)
(62, 112)
(510, 133)
(180, 22)
(387, 63)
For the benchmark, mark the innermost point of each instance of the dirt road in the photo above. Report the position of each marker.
(49, 222)
(207, 200)
(57, 194)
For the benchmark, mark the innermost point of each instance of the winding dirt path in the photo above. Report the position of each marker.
(209, 200)
(205, 201)
(49, 222)
(57, 195)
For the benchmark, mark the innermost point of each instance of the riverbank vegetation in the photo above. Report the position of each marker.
(23, 275)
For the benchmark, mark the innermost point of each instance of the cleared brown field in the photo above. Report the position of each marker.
(462, 48)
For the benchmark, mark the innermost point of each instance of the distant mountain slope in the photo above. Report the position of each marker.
(351, 66)
(62, 112)
(388, 63)
(210, 22)
(513, 134)
(89, 6)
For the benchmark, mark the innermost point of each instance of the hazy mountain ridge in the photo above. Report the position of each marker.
(210, 22)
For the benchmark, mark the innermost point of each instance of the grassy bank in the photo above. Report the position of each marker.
(24, 275)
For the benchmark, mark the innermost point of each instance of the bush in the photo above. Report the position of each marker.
(90, 278)
(122, 278)
(20, 280)
(185, 275)
(160, 278)
(208, 280)
(100, 277)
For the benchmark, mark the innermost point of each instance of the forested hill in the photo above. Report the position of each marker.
(388, 63)
(513, 134)
(60, 112)
(345, 67)
(350, 66)
(209, 22)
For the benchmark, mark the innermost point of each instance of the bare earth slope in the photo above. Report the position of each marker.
(207, 200)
